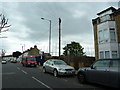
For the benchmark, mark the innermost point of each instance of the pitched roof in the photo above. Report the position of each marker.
(110, 8)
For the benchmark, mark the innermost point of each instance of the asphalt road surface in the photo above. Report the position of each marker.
(15, 76)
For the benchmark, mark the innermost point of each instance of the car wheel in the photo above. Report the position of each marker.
(44, 70)
(81, 78)
(55, 72)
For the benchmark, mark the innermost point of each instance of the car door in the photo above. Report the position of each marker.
(114, 74)
(47, 66)
(99, 72)
(51, 66)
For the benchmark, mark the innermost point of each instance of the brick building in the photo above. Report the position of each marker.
(107, 33)
(32, 51)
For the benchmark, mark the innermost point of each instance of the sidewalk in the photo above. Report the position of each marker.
(38, 66)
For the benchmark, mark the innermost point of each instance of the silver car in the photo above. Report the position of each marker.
(58, 67)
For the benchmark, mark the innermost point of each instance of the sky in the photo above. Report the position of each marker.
(28, 29)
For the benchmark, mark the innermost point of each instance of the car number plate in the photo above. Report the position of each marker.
(69, 72)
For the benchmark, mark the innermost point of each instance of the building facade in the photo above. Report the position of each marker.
(32, 51)
(107, 33)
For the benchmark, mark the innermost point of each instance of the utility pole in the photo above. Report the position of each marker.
(59, 37)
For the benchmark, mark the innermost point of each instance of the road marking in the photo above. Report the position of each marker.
(24, 71)
(18, 68)
(8, 73)
(42, 83)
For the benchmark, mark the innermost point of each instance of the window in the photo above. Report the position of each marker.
(114, 54)
(31, 58)
(105, 18)
(103, 35)
(59, 62)
(105, 63)
(102, 63)
(100, 36)
(112, 35)
(106, 35)
(101, 54)
(115, 63)
(107, 54)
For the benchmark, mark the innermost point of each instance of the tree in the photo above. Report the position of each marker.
(3, 52)
(3, 24)
(74, 49)
(16, 54)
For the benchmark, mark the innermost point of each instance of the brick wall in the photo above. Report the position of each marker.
(77, 61)
(96, 40)
(34, 51)
(117, 19)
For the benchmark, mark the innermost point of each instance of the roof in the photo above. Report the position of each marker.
(117, 12)
(110, 8)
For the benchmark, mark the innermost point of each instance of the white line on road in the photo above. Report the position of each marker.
(18, 68)
(42, 83)
(24, 71)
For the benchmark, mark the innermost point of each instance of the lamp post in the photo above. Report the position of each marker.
(49, 34)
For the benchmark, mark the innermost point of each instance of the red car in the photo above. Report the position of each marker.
(29, 61)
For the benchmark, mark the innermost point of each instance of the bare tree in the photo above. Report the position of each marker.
(3, 52)
(3, 27)
(3, 23)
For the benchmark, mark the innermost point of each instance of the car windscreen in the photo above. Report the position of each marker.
(31, 58)
(3, 60)
(59, 62)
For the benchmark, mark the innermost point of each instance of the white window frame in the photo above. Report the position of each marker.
(112, 32)
(101, 57)
(107, 54)
(114, 53)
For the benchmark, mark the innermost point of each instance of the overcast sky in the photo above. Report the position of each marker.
(28, 29)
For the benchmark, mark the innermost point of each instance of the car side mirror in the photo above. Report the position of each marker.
(93, 67)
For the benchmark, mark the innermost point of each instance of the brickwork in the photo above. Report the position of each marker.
(96, 41)
(34, 51)
(117, 19)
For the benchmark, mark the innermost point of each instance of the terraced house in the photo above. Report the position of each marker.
(107, 33)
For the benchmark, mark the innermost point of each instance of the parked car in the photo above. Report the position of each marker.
(4, 61)
(58, 67)
(13, 60)
(29, 61)
(102, 71)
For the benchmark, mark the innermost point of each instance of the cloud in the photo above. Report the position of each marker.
(28, 28)
(78, 14)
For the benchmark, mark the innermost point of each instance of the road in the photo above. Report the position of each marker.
(14, 75)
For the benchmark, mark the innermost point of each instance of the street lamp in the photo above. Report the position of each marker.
(49, 34)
